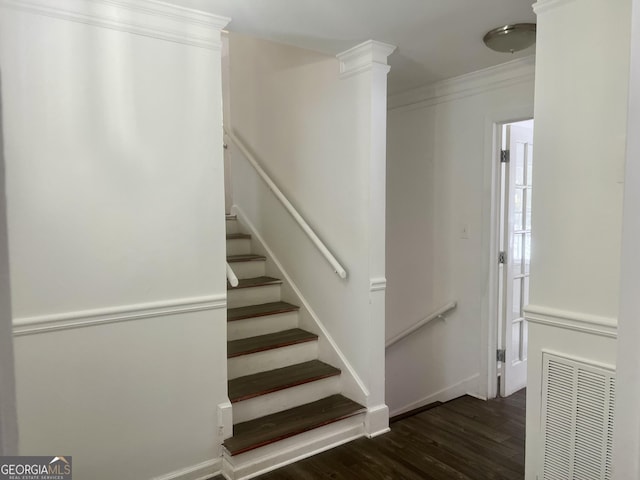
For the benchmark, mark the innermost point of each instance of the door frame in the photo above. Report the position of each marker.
(490, 231)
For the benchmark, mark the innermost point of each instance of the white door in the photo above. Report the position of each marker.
(516, 244)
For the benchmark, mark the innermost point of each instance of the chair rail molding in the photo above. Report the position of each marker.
(576, 321)
(125, 313)
(149, 18)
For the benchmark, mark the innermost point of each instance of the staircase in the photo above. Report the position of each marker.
(283, 396)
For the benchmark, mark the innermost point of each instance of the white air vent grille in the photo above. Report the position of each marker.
(577, 419)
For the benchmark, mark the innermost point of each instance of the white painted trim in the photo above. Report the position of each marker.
(499, 76)
(364, 57)
(149, 18)
(325, 333)
(201, 471)
(576, 321)
(489, 243)
(543, 6)
(126, 313)
(377, 284)
(376, 422)
(225, 420)
(444, 395)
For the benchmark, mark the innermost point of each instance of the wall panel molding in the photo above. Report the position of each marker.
(125, 313)
(149, 18)
(576, 321)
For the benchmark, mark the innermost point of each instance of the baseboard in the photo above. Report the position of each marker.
(415, 411)
(456, 390)
(377, 421)
(201, 471)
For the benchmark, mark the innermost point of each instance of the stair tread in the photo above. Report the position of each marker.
(251, 386)
(237, 236)
(269, 341)
(260, 310)
(246, 257)
(255, 282)
(278, 426)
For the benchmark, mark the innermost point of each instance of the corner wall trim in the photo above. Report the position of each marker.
(149, 18)
(364, 57)
(201, 471)
(576, 321)
(89, 318)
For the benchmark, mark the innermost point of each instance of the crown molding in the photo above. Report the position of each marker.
(149, 18)
(365, 57)
(503, 75)
(543, 6)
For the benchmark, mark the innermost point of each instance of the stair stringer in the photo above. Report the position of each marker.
(328, 351)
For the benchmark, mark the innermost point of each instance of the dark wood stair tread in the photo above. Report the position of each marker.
(255, 282)
(270, 341)
(251, 386)
(238, 236)
(260, 310)
(247, 257)
(278, 426)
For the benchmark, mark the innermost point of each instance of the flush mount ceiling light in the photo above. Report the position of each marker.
(511, 38)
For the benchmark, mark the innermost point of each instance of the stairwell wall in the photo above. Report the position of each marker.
(438, 184)
(113, 151)
(313, 132)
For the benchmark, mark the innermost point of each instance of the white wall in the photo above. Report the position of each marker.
(580, 114)
(439, 174)
(8, 420)
(627, 426)
(321, 138)
(115, 213)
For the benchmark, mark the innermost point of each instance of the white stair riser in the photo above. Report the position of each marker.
(232, 226)
(238, 246)
(243, 297)
(251, 269)
(261, 460)
(251, 327)
(285, 399)
(271, 359)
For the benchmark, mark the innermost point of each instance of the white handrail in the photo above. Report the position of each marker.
(437, 314)
(290, 208)
(231, 276)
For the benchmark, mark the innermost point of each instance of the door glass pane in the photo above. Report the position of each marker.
(517, 295)
(518, 163)
(517, 254)
(525, 340)
(525, 293)
(528, 194)
(515, 340)
(529, 164)
(517, 209)
(527, 252)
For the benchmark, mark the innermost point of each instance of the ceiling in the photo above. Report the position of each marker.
(436, 39)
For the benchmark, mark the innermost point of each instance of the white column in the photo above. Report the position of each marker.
(365, 65)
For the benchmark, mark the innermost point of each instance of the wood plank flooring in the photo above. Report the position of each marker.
(465, 439)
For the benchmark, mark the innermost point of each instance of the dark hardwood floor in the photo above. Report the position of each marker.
(465, 439)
